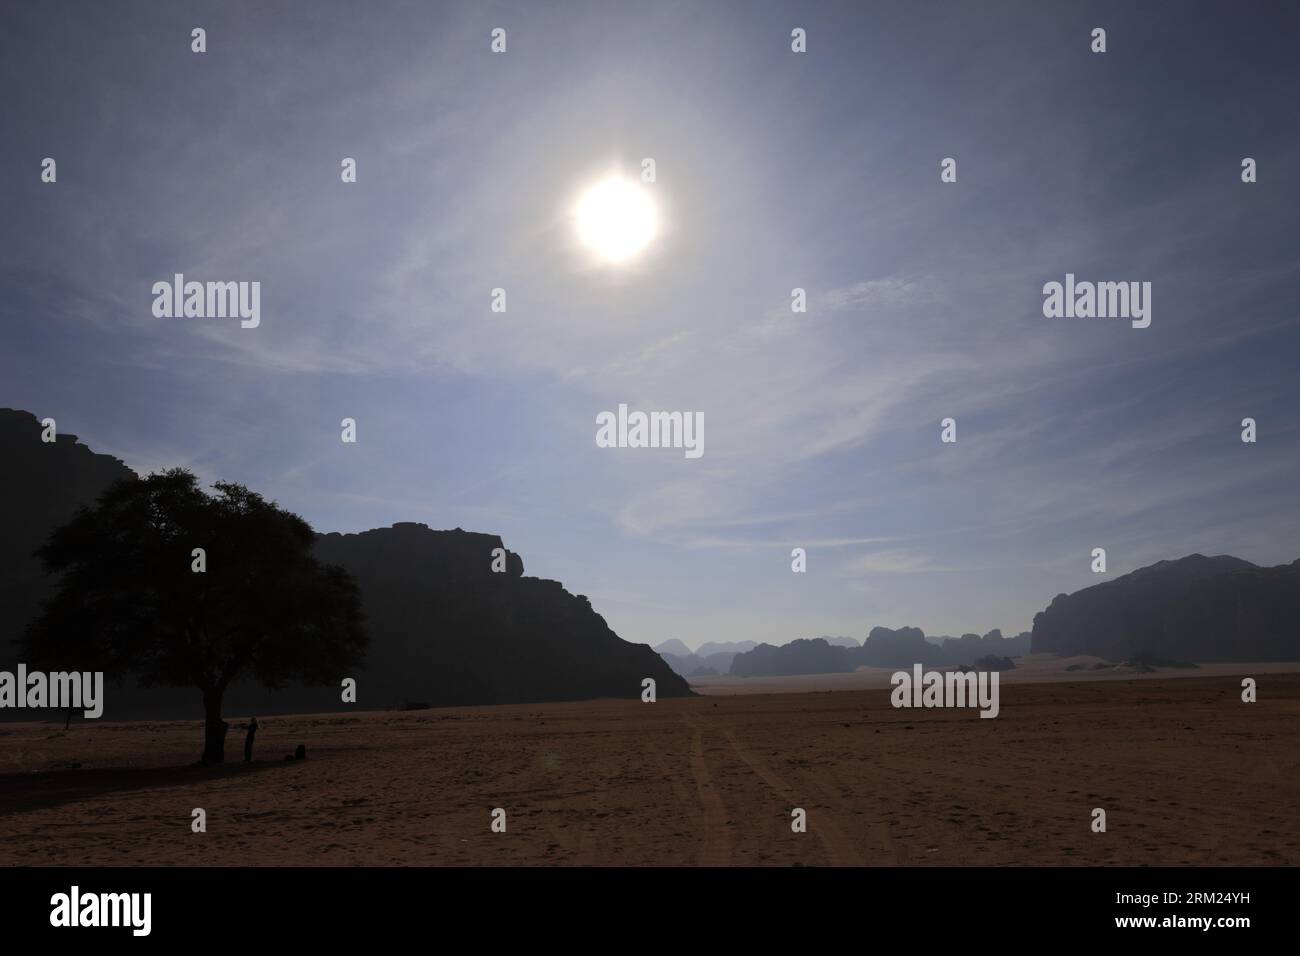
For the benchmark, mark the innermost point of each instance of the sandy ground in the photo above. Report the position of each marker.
(1035, 668)
(1187, 773)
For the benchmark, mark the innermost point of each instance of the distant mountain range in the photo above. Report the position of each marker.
(712, 658)
(444, 628)
(883, 648)
(715, 657)
(1197, 608)
(1194, 609)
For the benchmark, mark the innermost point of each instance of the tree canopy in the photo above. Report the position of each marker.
(130, 600)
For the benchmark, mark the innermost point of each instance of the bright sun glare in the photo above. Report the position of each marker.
(616, 219)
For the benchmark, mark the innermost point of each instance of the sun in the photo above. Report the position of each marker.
(616, 219)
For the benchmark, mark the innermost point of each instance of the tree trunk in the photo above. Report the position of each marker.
(214, 729)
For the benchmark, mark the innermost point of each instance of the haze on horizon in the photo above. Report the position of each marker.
(774, 171)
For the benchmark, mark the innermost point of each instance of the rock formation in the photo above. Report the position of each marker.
(445, 628)
(1193, 609)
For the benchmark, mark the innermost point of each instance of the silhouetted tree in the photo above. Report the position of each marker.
(130, 601)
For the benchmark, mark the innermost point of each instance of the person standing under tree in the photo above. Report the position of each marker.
(248, 741)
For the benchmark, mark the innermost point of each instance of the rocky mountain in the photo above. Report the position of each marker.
(883, 647)
(42, 484)
(905, 646)
(802, 656)
(675, 647)
(710, 648)
(842, 641)
(445, 629)
(1196, 608)
(712, 658)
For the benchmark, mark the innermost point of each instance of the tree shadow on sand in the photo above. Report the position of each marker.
(20, 792)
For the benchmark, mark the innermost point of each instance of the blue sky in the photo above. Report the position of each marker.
(775, 170)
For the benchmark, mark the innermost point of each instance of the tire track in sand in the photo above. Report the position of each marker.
(716, 847)
(838, 847)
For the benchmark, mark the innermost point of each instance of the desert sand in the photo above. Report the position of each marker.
(1035, 668)
(1187, 773)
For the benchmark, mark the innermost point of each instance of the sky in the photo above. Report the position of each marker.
(775, 170)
